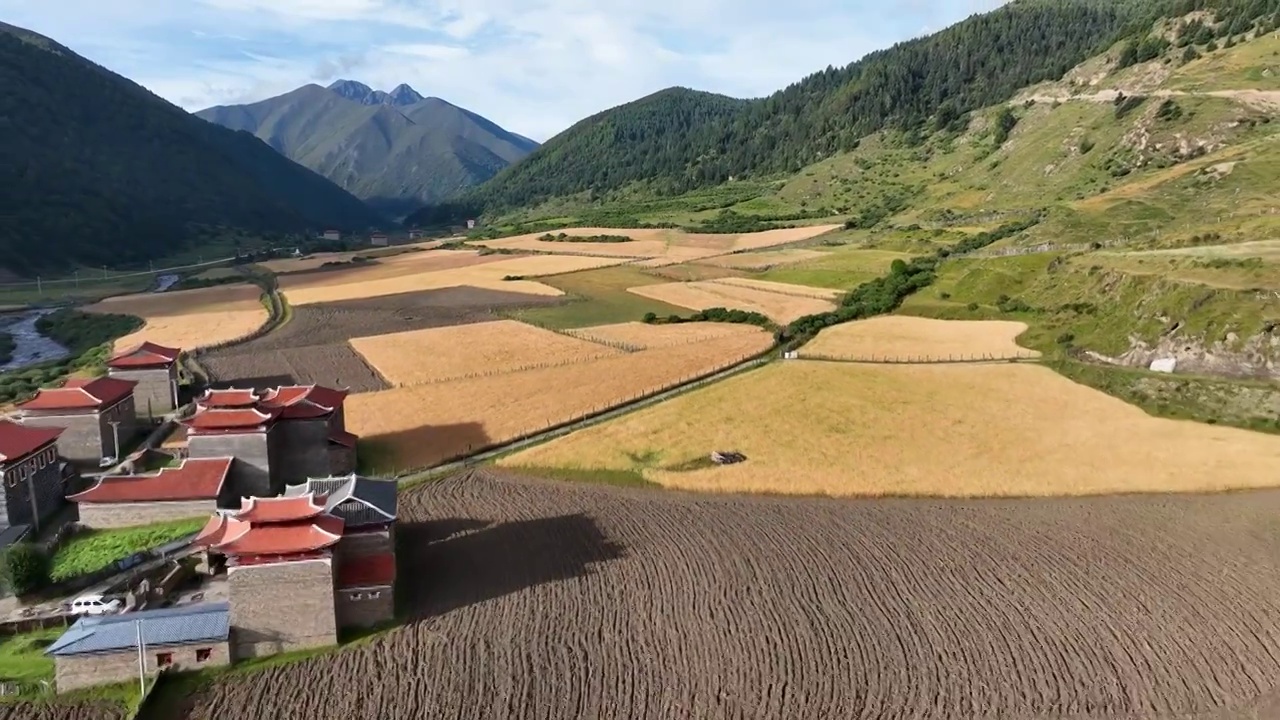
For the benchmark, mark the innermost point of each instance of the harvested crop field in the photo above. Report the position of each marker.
(450, 353)
(313, 345)
(717, 293)
(422, 425)
(396, 276)
(660, 246)
(762, 260)
(985, 430)
(902, 337)
(645, 336)
(669, 605)
(190, 319)
(781, 288)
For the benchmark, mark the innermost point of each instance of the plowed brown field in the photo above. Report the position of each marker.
(70, 710)
(545, 601)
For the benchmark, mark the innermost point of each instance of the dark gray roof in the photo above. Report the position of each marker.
(358, 500)
(201, 622)
(13, 534)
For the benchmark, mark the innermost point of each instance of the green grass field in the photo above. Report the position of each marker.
(841, 269)
(22, 657)
(599, 297)
(91, 550)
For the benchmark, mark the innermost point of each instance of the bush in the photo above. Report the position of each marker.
(650, 317)
(1066, 338)
(24, 568)
(972, 307)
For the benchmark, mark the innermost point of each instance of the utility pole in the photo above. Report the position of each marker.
(142, 659)
(115, 430)
(39, 286)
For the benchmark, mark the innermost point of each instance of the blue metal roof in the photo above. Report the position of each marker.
(201, 622)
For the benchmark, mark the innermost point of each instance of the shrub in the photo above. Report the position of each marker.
(945, 295)
(1066, 338)
(650, 317)
(24, 568)
(972, 307)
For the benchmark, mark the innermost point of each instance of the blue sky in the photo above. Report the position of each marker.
(533, 66)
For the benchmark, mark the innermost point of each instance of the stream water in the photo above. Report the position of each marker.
(31, 346)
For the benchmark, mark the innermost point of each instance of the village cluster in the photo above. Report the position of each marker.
(298, 545)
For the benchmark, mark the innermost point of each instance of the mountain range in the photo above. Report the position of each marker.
(395, 150)
(97, 170)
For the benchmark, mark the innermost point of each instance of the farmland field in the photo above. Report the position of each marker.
(763, 260)
(500, 346)
(809, 427)
(61, 710)
(423, 425)
(715, 293)
(904, 337)
(312, 347)
(435, 270)
(670, 605)
(641, 335)
(660, 246)
(189, 319)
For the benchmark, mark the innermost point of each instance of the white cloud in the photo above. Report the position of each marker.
(534, 66)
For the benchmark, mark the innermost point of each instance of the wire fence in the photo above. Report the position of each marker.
(874, 359)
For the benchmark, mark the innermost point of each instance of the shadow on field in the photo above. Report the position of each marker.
(458, 562)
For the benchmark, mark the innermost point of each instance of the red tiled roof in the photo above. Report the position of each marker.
(218, 529)
(230, 419)
(18, 441)
(284, 538)
(367, 571)
(148, 354)
(81, 395)
(290, 395)
(279, 509)
(343, 438)
(230, 397)
(195, 479)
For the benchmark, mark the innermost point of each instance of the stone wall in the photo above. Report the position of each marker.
(81, 671)
(342, 459)
(281, 607)
(360, 544)
(44, 477)
(116, 515)
(154, 393)
(365, 608)
(304, 450)
(250, 474)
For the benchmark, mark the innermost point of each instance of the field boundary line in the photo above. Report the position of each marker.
(918, 360)
(410, 478)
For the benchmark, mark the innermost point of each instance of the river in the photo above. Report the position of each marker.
(31, 346)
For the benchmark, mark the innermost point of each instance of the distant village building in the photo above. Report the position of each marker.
(99, 417)
(471, 224)
(378, 239)
(278, 437)
(104, 649)
(197, 486)
(155, 370)
(332, 235)
(415, 234)
(31, 478)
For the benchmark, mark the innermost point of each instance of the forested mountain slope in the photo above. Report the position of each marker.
(395, 150)
(698, 139)
(97, 171)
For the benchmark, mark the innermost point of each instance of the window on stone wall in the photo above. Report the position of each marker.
(164, 659)
(374, 595)
(203, 654)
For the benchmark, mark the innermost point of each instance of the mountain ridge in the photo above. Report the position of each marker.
(100, 171)
(396, 150)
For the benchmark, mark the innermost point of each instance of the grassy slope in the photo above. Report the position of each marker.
(1173, 222)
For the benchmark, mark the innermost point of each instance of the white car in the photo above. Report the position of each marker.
(95, 605)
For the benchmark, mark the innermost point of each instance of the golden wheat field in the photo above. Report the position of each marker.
(660, 247)
(708, 294)
(645, 336)
(422, 425)
(459, 351)
(404, 276)
(949, 430)
(781, 288)
(762, 260)
(190, 319)
(904, 337)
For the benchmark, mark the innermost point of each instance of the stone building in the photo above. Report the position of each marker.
(31, 475)
(196, 487)
(298, 573)
(366, 553)
(155, 370)
(104, 649)
(279, 558)
(98, 415)
(279, 437)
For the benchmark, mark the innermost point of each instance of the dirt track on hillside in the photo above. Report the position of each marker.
(1261, 99)
(542, 600)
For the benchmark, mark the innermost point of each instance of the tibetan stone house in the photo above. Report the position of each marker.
(31, 477)
(98, 417)
(155, 370)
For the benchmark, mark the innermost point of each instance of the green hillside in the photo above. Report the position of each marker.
(98, 171)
